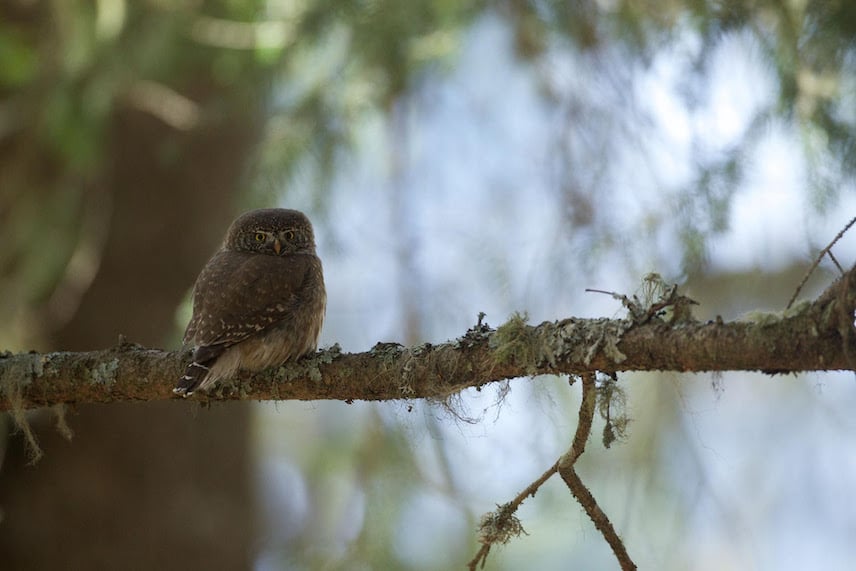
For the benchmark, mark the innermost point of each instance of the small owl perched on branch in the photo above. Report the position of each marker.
(258, 302)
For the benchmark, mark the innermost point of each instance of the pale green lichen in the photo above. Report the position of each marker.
(307, 367)
(289, 372)
(329, 355)
(499, 526)
(774, 317)
(656, 300)
(572, 341)
(18, 376)
(761, 317)
(610, 340)
(580, 342)
(39, 365)
(325, 357)
(408, 372)
(62, 426)
(387, 352)
(104, 373)
(516, 342)
(612, 407)
(797, 309)
(475, 335)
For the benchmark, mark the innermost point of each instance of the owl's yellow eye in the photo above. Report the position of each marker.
(289, 235)
(260, 236)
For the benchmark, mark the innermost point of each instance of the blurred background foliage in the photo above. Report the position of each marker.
(457, 157)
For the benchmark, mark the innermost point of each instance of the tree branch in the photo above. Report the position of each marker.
(568, 473)
(807, 337)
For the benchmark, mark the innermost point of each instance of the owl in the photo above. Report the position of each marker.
(258, 302)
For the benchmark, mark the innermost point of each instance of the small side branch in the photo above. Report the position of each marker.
(568, 473)
(584, 422)
(501, 525)
(601, 521)
(826, 251)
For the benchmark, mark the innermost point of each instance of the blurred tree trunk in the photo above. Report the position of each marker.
(155, 485)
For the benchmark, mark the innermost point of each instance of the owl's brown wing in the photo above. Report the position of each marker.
(239, 294)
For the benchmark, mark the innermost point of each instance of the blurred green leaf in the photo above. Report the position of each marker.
(19, 61)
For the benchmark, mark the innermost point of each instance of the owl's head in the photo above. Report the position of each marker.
(274, 231)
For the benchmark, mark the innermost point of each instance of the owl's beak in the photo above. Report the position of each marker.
(277, 246)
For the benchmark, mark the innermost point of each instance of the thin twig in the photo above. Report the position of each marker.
(601, 521)
(817, 260)
(509, 509)
(835, 261)
(575, 484)
(586, 417)
(565, 467)
(580, 437)
(481, 557)
(532, 488)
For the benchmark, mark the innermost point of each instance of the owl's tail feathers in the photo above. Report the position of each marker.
(197, 370)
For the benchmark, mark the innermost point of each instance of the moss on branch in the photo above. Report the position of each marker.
(810, 338)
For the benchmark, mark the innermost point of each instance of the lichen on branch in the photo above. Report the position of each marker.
(807, 337)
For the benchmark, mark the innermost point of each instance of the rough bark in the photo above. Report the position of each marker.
(812, 336)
